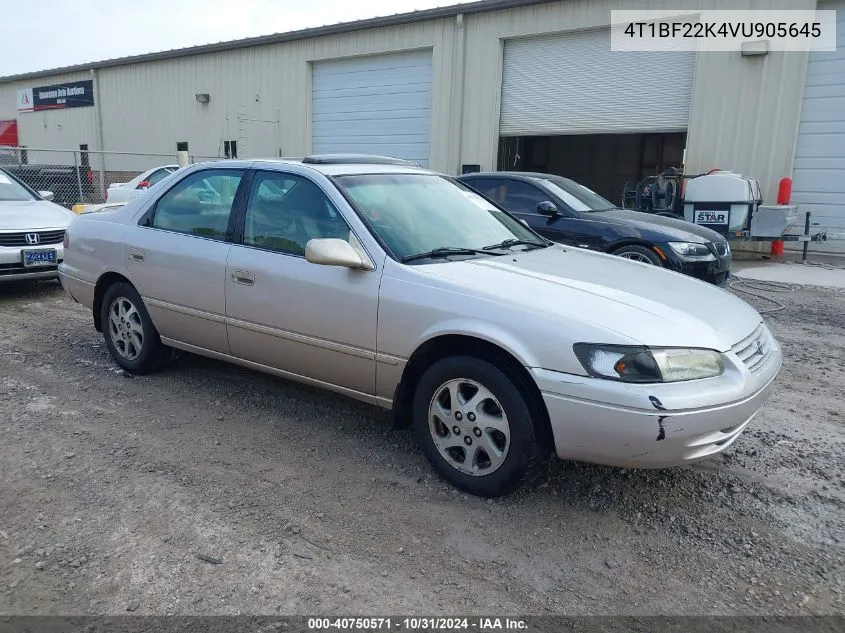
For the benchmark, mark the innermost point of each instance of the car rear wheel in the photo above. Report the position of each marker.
(476, 427)
(638, 253)
(130, 334)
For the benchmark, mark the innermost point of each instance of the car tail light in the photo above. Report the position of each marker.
(66, 241)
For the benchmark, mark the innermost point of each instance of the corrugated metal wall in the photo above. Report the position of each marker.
(259, 96)
(744, 115)
(59, 129)
(745, 110)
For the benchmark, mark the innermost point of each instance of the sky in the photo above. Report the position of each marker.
(43, 34)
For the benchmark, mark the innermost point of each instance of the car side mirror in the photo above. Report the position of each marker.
(47, 195)
(331, 251)
(525, 223)
(547, 208)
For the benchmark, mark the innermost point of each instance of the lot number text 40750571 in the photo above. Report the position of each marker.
(481, 624)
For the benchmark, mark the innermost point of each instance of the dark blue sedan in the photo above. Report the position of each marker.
(567, 212)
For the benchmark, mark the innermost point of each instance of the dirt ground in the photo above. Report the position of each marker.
(210, 489)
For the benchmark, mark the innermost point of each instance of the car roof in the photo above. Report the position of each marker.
(524, 175)
(340, 165)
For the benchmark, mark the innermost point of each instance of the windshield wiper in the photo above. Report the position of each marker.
(514, 242)
(444, 251)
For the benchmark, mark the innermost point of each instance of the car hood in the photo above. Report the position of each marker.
(630, 301)
(675, 229)
(23, 215)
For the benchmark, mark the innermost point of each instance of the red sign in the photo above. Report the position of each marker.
(9, 133)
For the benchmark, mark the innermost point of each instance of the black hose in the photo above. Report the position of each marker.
(765, 286)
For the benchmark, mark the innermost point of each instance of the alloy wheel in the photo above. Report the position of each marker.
(125, 328)
(469, 427)
(635, 256)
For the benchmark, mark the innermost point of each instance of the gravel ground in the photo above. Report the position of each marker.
(210, 489)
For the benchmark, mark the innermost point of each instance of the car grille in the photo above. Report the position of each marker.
(44, 237)
(756, 348)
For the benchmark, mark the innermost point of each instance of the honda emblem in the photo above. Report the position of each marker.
(32, 238)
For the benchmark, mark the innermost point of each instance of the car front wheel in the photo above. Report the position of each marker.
(476, 427)
(130, 334)
(638, 254)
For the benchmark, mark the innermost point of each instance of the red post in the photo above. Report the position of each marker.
(784, 190)
(784, 194)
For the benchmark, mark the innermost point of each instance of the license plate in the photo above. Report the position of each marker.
(40, 257)
(711, 217)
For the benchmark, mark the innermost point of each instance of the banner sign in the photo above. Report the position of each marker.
(74, 94)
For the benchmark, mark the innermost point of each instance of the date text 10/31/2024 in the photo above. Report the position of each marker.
(481, 624)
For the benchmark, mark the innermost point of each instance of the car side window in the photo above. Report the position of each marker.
(486, 186)
(157, 175)
(285, 211)
(199, 205)
(517, 196)
(513, 195)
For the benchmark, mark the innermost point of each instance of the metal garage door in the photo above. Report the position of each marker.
(574, 84)
(818, 178)
(374, 105)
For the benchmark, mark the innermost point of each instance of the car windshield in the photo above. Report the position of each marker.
(419, 213)
(10, 189)
(577, 196)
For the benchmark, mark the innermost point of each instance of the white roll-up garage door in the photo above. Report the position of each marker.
(818, 177)
(379, 104)
(574, 84)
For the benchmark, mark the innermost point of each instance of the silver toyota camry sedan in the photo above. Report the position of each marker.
(403, 288)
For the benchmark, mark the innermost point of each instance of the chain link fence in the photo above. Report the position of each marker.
(88, 176)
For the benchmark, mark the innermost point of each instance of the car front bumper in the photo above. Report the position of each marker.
(655, 425)
(12, 268)
(716, 272)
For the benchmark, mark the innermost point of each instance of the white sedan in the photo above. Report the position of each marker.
(32, 230)
(125, 191)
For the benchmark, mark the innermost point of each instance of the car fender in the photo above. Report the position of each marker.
(92, 237)
(629, 241)
(487, 331)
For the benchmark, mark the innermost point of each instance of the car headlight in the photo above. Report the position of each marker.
(692, 250)
(642, 364)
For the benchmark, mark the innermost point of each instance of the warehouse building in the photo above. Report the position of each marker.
(502, 84)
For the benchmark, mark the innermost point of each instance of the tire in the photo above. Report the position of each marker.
(499, 461)
(131, 336)
(638, 253)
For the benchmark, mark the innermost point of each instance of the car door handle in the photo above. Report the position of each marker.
(136, 254)
(243, 277)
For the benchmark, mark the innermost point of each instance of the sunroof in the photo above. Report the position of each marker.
(355, 159)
